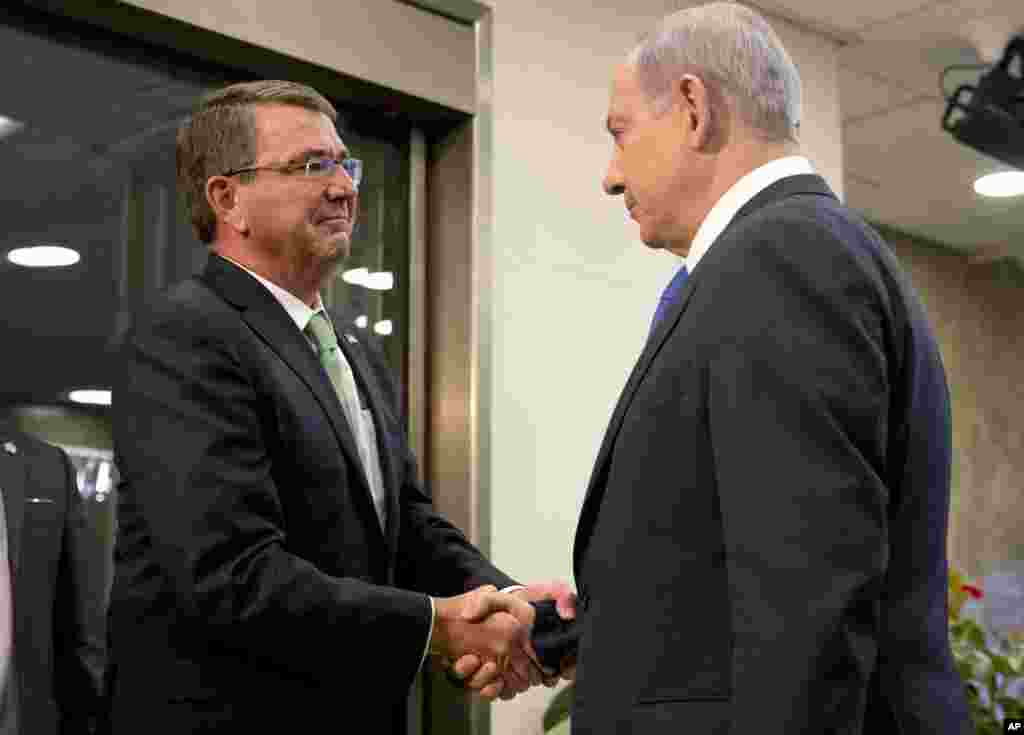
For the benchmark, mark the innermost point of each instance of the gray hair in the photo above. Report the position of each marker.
(734, 51)
(221, 136)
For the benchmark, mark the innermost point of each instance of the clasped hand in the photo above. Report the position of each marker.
(486, 633)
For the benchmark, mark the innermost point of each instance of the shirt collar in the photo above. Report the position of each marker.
(297, 309)
(737, 196)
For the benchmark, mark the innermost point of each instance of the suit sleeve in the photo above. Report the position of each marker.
(434, 556)
(798, 391)
(79, 614)
(197, 492)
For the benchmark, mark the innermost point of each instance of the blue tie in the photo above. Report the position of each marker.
(669, 295)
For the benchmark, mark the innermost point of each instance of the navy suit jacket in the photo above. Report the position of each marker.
(762, 547)
(59, 644)
(254, 586)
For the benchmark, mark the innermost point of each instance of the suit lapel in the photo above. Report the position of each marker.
(595, 488)
(378, 410)
(780, 190)
(12, 485)
(262, 312)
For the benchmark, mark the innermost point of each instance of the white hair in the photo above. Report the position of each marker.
(729, 46)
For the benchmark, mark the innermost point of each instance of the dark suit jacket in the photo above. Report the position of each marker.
(762, 547)
(58, 650)
(254, 586)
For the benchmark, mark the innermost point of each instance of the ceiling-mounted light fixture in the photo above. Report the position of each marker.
(1001, 184)
(91, 396)
(44, 256)
(376, 281)
(355, 276)
(380, 281)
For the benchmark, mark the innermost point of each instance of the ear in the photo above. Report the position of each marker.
(695, 106)
(222, 196)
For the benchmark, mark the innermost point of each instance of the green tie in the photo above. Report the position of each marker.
(344, 382)
(337, 368)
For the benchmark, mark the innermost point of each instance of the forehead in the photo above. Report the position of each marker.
(283, 131)
(626, 97)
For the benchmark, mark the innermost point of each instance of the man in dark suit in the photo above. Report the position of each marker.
(762, 546)
(51, 654)
(277, 561)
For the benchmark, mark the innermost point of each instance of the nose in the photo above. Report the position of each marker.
(341, 187)
(613, 183)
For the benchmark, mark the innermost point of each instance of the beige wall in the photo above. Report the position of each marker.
(574, 289)
(353, 36)
(976, 309)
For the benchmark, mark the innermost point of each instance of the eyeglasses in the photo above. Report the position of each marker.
(320, 168)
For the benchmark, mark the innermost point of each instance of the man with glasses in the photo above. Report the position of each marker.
(277, 561)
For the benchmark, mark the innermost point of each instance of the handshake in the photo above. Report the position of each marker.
(502, 643)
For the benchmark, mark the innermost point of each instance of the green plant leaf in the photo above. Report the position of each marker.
(1012, 706)
(1002, 665)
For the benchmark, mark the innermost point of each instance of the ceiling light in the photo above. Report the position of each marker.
(355, 276)
(91, 396)
(9, 126)
(1002, 184)
(362, 321)
(44, 256)
(383, 327)
(382, 281)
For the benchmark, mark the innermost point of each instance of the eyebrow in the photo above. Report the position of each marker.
(318, 152)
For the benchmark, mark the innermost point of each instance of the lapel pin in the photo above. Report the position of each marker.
(10, 447)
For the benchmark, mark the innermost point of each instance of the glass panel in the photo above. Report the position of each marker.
(87, 132)
(372, 289)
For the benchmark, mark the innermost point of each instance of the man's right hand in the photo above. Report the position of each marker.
(494, 626)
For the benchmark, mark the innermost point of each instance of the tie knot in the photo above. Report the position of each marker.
(676, 284)
(320, 329)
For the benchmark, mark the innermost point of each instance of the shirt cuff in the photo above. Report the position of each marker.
(430, 633)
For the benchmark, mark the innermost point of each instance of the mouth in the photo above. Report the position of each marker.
(342, 216)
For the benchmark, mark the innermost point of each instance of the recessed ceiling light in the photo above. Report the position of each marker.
(91, 396)
(383, 327)
(44, 256)
(355, 276)
(380, 281)
(1002, 184)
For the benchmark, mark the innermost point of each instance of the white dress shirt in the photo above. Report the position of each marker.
(736, 197)
(365, 433)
